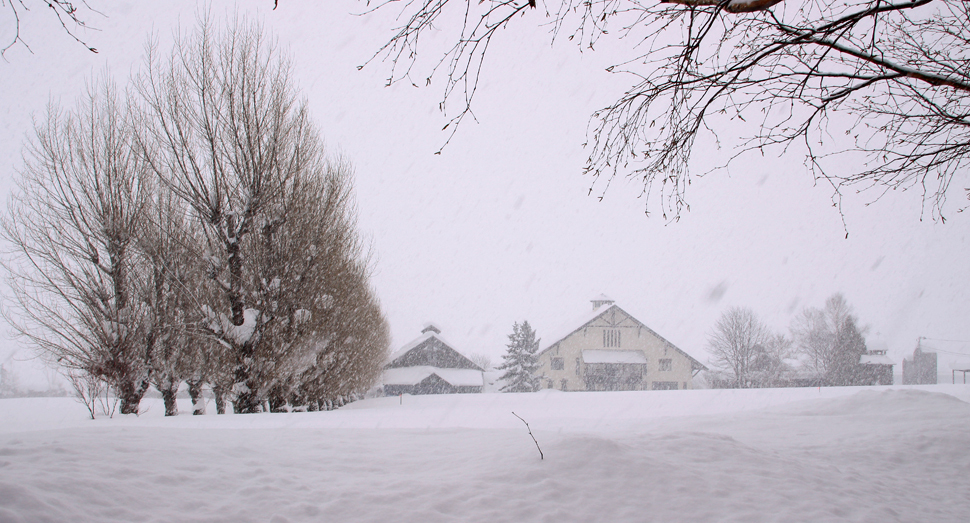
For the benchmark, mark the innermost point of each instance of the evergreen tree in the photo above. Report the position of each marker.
(520, 363)
(848, 349)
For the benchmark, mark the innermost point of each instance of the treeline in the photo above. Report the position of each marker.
(191, 229)
(823, 348)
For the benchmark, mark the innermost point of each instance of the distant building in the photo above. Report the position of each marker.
(962, 367)
(875, 368)
(611, 350)
(921, 369)
(430, 365)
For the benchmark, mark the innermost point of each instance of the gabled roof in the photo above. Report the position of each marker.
(412, 344)
(431, 338)
(570, 328)
(600, 311)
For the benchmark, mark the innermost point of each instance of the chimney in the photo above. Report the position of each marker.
(601, 300)
(430, 327)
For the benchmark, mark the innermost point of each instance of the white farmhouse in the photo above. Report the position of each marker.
(611, 350)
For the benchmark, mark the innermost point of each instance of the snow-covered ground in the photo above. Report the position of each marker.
(835, 454)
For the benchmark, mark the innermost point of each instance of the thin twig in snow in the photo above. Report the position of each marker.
(530, 433)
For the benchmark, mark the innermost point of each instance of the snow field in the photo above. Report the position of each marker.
(839, 454)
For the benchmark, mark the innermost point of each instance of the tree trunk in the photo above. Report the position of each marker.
(171, 405)
(277, 403)
(195, 392)
(247, 401)
(247, 392)
(220, 398)
(130, 395)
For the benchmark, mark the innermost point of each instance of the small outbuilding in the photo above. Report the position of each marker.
(431, 365)
(875, 368)
(921, 368)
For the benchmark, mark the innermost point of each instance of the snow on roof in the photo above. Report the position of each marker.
(614, 356)
(960, 365)
(577, 324)
(419, 340)
(572, 326)
(875, 359)
(415, 375)
(410, 345)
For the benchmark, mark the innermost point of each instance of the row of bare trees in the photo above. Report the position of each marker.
(824, 348)
(192, 230)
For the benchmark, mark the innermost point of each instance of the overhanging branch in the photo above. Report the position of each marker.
(731, 6)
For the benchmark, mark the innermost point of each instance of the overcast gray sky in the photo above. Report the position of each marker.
(500, 226)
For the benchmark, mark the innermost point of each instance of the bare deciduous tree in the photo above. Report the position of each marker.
(738, 340)
(73, 226)
(168, 277)
(317, 273)
(882, 83)
(352, 340)
(228, 135)
(482, 360)
(769, 367)
(92, 392)
(197, 233)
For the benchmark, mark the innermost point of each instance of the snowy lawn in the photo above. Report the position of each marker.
(836, 454)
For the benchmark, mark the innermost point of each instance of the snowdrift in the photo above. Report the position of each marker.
(839, 454)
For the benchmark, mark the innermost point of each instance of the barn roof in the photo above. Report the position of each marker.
(414, 344)
(428, 336)
(584, 321)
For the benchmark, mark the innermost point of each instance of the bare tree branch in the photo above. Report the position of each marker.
(892, 75)
(731, 6)
(66, 11)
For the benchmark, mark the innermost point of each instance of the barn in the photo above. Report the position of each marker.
(431, 365)
(608, 349)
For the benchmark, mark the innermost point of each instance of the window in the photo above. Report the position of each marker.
(611, 338)
(579, 366)
(665, 385)
(558, 364)
(563, 383)
(666, 364)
